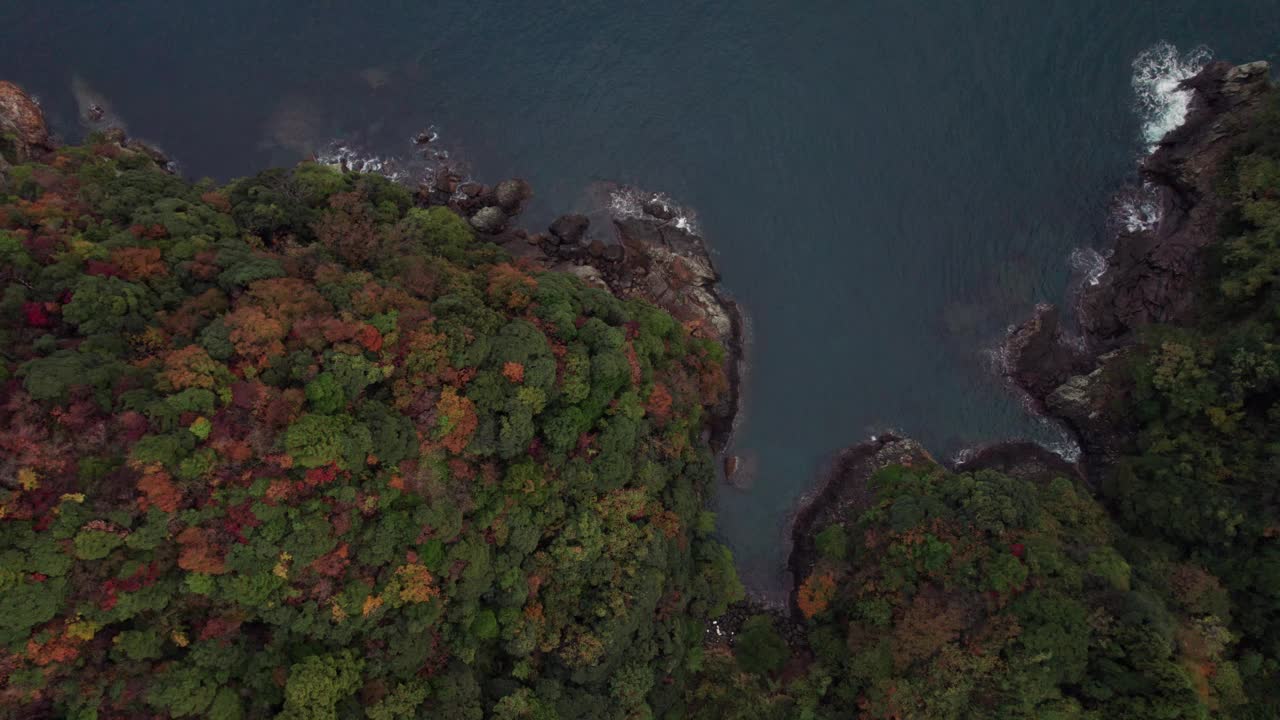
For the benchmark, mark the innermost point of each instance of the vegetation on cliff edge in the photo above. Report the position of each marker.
(295, 447)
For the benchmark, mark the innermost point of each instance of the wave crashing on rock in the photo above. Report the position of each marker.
(1162, 101)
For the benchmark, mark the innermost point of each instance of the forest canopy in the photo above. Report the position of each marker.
(299, 447)
(294, 447)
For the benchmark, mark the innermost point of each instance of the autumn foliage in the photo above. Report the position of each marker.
(298, 445)
(815, 593)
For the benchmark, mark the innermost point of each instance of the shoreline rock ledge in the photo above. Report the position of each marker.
(1078, 377)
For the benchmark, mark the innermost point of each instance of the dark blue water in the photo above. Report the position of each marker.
(888, 184)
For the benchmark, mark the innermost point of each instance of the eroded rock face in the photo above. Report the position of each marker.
(670, 267)
(1152, 274)
(1039, 356)
(23, 132)
(1151, 277)
(1092, 406)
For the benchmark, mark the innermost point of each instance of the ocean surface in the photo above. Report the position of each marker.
(887, 184)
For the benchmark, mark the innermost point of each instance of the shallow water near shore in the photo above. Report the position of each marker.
(887, 185)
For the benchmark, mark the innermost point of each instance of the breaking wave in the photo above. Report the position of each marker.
(411, 168)
(1158, 73)
(1089, 264)
(1135, 208)
(1059, 441)
(341, 155)
(625, 202)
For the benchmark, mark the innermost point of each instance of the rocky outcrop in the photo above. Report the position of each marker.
(511, 195)
(569, 229)
(23, 132)
(664, 263)
(1152, 276)
(1018, 459)
(489, 220)
(1039, 355)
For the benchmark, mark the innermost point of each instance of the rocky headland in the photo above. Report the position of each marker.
(647, 253)
(1079, 376)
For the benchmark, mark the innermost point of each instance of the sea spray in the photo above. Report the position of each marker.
(626, 201)
(341, 155)
(1088, 264)
(1162, 102)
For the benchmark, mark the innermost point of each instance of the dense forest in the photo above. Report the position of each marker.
(296, 447)
(299, 447)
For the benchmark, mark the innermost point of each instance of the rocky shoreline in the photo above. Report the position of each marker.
(1079, 376)
(650, 254)
(1153, 274)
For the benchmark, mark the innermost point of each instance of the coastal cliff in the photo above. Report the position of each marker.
(1081, 376)
(1154, 274)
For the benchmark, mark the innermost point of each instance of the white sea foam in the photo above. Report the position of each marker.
(1158, 73)
(1059, 441)
(1089, 263)
(1135, 208)
(344, 156)
(627, 202)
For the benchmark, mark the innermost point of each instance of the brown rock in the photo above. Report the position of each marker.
(730, 467)
(658, 208)
(1038, 358)
(447, 182)
(21, 118)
